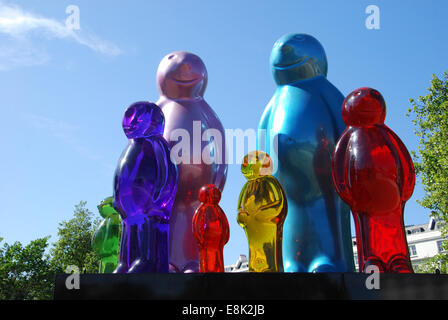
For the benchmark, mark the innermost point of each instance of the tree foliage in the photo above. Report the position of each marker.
(74, 242)
(431, 159)
(28, 272)
(25, 271)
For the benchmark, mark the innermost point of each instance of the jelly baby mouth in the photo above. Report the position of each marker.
(366, 111)
(366, 114)
(186, 81)
(292, 65)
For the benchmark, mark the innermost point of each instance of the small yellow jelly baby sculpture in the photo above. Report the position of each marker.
(262, 210)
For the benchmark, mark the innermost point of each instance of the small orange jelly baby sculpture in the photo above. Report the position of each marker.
(211, 229)
(262, 210)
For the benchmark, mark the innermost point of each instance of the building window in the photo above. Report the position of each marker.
(412, 250)
(439, 245)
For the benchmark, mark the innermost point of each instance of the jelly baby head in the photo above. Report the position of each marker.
(256, 164)
(181, 75)
(297, 56)
(143, 119)
(209, 194)
(106, 208)
(364, 107)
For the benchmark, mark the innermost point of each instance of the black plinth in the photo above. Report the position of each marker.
(252, 286)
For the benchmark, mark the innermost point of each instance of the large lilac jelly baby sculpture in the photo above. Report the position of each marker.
(373, 172)
(198, 145)
(144, 190)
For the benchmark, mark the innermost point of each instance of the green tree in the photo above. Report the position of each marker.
(431, 159)
(26, 272)
(74, 242)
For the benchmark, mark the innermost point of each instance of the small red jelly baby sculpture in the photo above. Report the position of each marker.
(211, 229)
(373, 173)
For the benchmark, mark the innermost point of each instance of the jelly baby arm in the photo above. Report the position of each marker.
(334, 100)
(165, 192)
(226, 232)
(99, 237)
(262, 136)
(112, 234)
(276, 202)
(408, 171)
(198, 224)
(219, 175)
(242, 214)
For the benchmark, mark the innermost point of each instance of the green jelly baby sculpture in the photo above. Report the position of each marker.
(105, 241)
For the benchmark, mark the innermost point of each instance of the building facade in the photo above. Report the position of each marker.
(424, 241)
(241, 265)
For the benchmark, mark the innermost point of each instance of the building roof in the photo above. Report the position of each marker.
(432, 225)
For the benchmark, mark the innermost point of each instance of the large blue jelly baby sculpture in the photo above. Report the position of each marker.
(303, 122)
(144, 191)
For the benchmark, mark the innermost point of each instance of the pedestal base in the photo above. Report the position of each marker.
(253, 286)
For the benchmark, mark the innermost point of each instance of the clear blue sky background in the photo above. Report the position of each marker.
(62, 98)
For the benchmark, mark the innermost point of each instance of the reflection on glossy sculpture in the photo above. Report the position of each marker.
(373, 172)
(303, 122)
(106, 237)
(144, 190)
(262, 209)
(211, 229)
(181, 80)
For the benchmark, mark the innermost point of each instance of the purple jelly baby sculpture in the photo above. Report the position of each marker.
(145, 186)
(197, 139)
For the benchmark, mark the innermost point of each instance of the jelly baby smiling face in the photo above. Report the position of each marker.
(364, 107)
(181, 75)
(256, 164)
(209, 194)
(143, 119)
(296, 57)
(106, 208)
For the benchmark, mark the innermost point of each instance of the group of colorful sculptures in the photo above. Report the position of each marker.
(333, 155)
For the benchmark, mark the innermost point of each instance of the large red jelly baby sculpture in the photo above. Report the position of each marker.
(373, 173)
(211, 230)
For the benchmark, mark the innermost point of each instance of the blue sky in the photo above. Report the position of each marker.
(62, 94)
